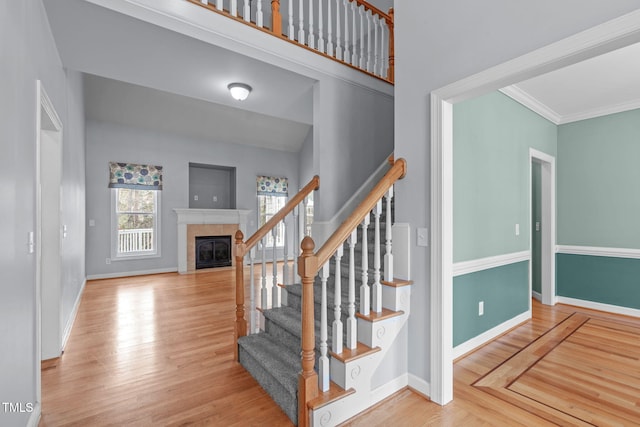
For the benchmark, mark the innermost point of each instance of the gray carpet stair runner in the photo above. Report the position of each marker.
(273, 355)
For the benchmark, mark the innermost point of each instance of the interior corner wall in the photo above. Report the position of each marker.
(438, 43)
(492, 135)
(305, 160)
(598, 209)
(28, 53)
(113, 142)
(353, 134)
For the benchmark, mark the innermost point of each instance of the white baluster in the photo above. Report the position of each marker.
(246, 11)
(383, 43)
(301, 23)
(320, 27)
(264, 296)
(234, 8)
(296, 242)
(259, 15)
(323, 363)
(204, 1)
(352, 328)
(219, 5)
(375, 45)
(275, 289)
(354, 49)
(377, 288)
(311, 39)
(330, 51)
(285, 268)
(388, 256)
(362, 59)
(252, 292)
(291, 29)
(347, 46)
(338, 45)
(365, 293)
(369, 35)
(337, 309)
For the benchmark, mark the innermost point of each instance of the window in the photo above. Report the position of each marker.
(272, 196)
(268, 206)
(135, 222)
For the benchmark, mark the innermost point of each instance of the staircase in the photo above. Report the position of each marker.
(352, 334)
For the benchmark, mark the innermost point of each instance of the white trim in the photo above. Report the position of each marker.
(609, 308)
(131, 273)
(72, 317)
(34, 418)
(419, 385)
(599, 251)
(475, 265)
(548, 220)
(485, 337)
(536, 295)
(524, 98)
(611, 35)
(388, 388)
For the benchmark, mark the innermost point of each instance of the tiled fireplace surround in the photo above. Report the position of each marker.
(206, 222)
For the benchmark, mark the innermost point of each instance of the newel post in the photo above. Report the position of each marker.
(241, 323)
(276, 18)
(308, 378)
(392, 57)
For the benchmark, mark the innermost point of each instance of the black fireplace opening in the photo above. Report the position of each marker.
(213, 251)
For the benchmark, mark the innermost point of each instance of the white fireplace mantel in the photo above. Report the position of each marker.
(205, 216)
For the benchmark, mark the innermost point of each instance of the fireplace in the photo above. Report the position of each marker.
(213, 251)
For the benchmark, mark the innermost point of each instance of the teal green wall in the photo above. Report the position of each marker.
(598, 188)
(536, 217)
(607, 280)
(504, 290)
(492, 135)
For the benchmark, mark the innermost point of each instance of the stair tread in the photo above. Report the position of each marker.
(334, 394)
(282, 364)
(376, 317)
(349, 354)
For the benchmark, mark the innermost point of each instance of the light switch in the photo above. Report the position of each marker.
(92, 223)
(423, 237)
(517, 229)
(215, 198)
(31, 243)
(195, 197)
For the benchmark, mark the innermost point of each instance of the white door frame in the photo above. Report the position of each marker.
(548, 229)
(48, 131)
(617, 33)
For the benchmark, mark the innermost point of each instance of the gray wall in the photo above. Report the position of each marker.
(439, 43)
(305, 160)
(28, 53)
(110, 142)
(214, 187)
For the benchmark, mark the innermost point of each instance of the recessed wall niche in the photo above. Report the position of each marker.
(212, 186)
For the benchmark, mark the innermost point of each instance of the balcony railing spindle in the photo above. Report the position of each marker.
(311, 41)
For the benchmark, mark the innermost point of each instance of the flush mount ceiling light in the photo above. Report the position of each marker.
(239, 91)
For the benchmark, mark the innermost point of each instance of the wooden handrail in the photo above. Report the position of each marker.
(308, 266)
(314, 184)
(373, 9)
(396, 172)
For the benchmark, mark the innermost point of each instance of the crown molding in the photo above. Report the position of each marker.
(532, 103)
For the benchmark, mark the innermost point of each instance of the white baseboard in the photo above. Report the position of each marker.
(34, 418)
(72, 317)
(537, 295)
(389, 388)
(131, 273)
(487, 336)
(475, 265)
(609, 308)
(419, 385)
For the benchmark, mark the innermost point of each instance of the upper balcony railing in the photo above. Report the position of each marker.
(352, 32)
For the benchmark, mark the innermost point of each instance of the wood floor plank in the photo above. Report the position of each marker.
(158, 350)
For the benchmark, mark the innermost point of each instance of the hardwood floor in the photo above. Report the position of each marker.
(158, 350)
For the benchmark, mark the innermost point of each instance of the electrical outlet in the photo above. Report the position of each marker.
(195, 197)
(108, 261)
(423, 237)
(215, 198)
(517, 229)
(481, 308)
(537, 225)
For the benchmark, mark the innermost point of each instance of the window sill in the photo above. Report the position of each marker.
(134, 257)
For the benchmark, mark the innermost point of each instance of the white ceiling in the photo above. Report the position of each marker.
(128, 104)
(603, 85)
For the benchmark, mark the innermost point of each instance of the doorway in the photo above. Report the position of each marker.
(48, 237)
(543, 226)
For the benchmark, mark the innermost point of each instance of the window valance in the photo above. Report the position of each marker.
(134, 176)
(272, 186)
